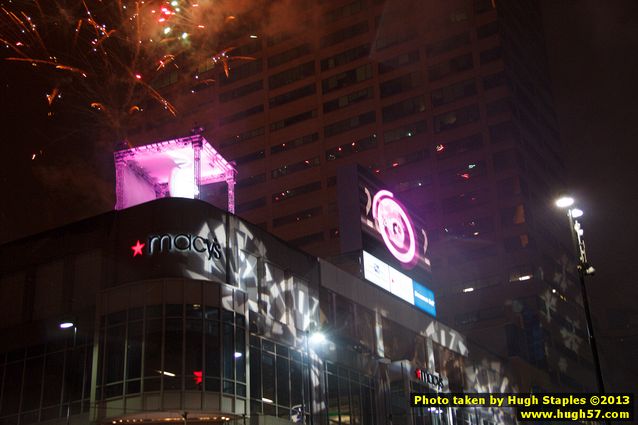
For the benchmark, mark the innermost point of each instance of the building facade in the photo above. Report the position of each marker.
(180, 312)
(449, 103)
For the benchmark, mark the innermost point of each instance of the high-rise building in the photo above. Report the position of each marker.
(449, 104)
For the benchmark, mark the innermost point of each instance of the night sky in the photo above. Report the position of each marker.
(592, 48)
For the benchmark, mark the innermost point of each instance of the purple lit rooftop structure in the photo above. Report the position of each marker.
(172, 168)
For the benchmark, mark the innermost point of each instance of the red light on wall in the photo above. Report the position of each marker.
(197, 376)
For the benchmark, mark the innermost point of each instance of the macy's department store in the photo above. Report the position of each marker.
(178, 311)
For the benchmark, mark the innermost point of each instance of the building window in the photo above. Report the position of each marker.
(512, 215)
(241, 91)
(494, 80)
(517, 243)
(295, 167)
(350, 396)
(246, 135)
(487, 30)
(409, 158)
(506, 160)
(452, 66)
(251, 205)
(491, 55)
(294, 143)
(464, 201)
(288, 55)
(470, 228)
(349, 99)
(345, 57)
(253, 156)
(343, 11)
(296, 191)
(502, 132)
(346, 78)
(393, 38)
(459, 147)
(511, 187)
(409, 130)
(465, 173)
(499, 106)
(455, 119)
(400, 84)
(398, 61)
(344, 34)
(307, 239)
(295, 119)
(292, 95)
(453, 92)
(242, 114)
(483, 6)
(413, 184)
(447, 45)
(279, 381)
(291, 75)
(297, 216)
(242, 71)
(349, 124)
(348, 149)
(403, 108)
(251, 181)
(278, 38)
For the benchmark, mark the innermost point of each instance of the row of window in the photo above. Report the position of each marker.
(295, 167)
(390, 113)
(439, 97)
(465, 173)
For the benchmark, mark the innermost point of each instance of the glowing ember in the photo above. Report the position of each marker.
(111, 56)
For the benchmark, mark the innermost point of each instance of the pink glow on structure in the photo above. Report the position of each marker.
(172, 168)
(395, 226)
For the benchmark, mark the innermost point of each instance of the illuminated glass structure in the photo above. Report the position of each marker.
(177, 311)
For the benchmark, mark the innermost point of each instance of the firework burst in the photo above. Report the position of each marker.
(109, 57)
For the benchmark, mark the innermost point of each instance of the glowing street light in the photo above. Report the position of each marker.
(312, 337)
(576, 212)
(66, 325)
(316, 338)
(584, 269)
(564, 202)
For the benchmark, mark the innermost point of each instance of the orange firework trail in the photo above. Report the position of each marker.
(111, 58)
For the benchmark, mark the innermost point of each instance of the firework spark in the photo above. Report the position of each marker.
(111, 58)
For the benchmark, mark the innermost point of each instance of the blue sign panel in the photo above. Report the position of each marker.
(424, 298)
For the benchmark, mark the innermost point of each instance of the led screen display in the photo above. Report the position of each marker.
(398, 283)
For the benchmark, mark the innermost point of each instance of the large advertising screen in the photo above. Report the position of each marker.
(399, 284)
(373, 219)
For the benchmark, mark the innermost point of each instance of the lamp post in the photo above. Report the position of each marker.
(314, 337)
(584, 269)
(66, 324)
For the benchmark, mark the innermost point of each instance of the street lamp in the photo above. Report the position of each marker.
(66, 324)
(312, 337)
(584, 269)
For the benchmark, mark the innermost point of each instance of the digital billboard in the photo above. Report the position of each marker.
(397, 283)
(373, 219)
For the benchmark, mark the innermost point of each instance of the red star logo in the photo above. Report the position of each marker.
(137, 248)
(197, 376)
